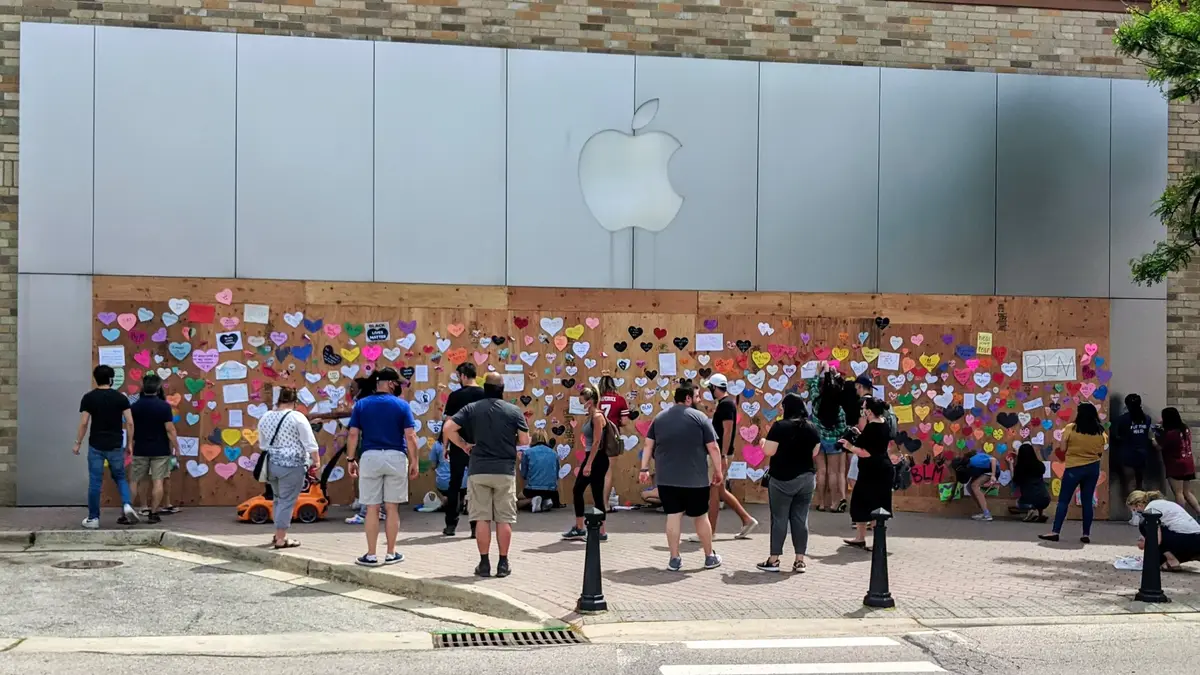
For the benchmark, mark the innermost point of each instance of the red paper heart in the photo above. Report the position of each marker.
(660, 333)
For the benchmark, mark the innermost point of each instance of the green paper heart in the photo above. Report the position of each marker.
(424, 465)
(353, 329)
(961, 444)
(1012, 405)
(194, 385)
(264, 350)
(937, 438)
(118, 377)
(905, 399)
(987, 431)
(1058, 388)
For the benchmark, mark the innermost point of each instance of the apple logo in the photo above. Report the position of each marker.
(625, 178)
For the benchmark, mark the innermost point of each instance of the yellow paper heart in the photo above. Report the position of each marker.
(575, 332)
(989, 447)
(760, 358)
(1056, 486)
(922, 411)
(351, 354)
(251, 436)
(479, 380)
(939, 427)
(231, 436)
(870, 354)
(840, 353)
(930, 361)
(998, 433)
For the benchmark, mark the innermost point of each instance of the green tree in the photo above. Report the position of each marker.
(1166, 39)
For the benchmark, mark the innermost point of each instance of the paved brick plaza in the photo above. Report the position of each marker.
(940, 567)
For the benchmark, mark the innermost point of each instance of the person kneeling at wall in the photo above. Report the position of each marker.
(539, 470)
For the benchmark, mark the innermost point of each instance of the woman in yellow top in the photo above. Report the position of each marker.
(1084, 442)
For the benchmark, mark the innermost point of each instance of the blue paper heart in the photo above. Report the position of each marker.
(180, 350)
(175, 419)
(1002, 448)
(1101, 393)
(313, 325)
(1047, 424)
(302, 353)
(965, 351)
(862, 337)
(110, 334)
(232, 453)
(770, 414)
(1099, 360)
(282, 353)
(193, 418)
(145, 314)
(748, 392)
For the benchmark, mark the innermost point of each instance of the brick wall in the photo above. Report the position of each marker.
(1183, 289)
(857, 32)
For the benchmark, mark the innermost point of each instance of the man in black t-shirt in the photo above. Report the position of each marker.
(154, 442)
(724, 421)
(458, 399)
(106, 411)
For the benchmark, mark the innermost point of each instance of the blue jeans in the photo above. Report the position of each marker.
(116, 467)
(1085, 478)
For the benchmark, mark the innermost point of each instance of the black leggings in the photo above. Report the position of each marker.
(596, 480)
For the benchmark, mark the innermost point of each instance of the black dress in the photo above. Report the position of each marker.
(873, 489)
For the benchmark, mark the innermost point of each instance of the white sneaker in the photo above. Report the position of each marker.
(536, 504)
(91, 523)
(982, 516)
(692, 538)
(744, 533)
(131, 514)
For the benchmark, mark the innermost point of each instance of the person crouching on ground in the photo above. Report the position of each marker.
(497, 432)
(1028, 473)
(539, 470)
(1179, 534)
(985, 472)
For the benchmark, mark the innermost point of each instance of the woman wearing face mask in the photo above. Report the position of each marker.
(594, 467)
(873, 489)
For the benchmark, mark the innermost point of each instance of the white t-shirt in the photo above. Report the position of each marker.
(1174, 517)
(295, 441)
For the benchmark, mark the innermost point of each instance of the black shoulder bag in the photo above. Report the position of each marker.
(260, 469)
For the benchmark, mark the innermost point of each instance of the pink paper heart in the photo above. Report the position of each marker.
(229, 322)
(137, 336)
(917, 339)
(1087, 389)
(333, 329)
(592, 322)
(143, 357)
(225, 297)
(248, 463)
(753, 455)
(481, 357)
(1091, 348)
(127, 321)
(749, 433)
(528, 340)
(205, 359)
(642, 427)
(279, 338)
(372, 352)
(226, 470)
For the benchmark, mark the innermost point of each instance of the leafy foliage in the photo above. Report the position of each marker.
(1166, 39)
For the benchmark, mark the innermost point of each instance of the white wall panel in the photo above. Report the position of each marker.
(165, 149)
(304, 165)
(55, 209)
(1139, 175)
(556, 102)
(439, 163)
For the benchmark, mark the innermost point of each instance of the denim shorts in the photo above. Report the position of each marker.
(831, 447)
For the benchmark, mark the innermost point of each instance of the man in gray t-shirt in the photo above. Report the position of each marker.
(684, 445)
(492, 432)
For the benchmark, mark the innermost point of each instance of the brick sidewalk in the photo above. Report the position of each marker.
(939, 567)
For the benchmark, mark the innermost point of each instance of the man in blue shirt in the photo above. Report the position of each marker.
(384, 423)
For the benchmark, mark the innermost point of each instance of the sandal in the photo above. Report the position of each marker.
(841, 507)
(1166, 567)
(820, 508)
(286, 543)
(856, 544)
(798, 567)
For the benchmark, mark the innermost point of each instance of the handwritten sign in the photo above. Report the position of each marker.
(1048, 365)
(983, 344)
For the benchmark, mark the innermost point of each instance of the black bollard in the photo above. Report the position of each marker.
(878, 595)
(1151, 590)
(591, 601)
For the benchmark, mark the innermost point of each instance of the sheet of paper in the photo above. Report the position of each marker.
(256, 314)
(235, 393)
(808, 370)
(710, 342)
(852, 474)
(514, 382)
(421, 374)
(232, 370)
(1048, 365)
(983, 344)
(189, 446)
(1033, 404)
(666, 364)
(229, 342)
(235, 418)
(903, 413)
(888, 361)
(514, 368)
(736, 470)
(968, 401)
(575, 406)
(112, 356)
(878, 392)
(378, 331)
(1046, 475)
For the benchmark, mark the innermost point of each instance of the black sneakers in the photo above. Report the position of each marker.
(502, 569)
(483, 569)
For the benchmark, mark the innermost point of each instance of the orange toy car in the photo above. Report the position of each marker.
(310, 507)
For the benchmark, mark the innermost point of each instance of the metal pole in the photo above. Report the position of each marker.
(878, 594)
(1151, 590)
(591, 600)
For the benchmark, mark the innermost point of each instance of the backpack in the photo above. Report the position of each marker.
(962, 469)
(893, 426)
(611, 441)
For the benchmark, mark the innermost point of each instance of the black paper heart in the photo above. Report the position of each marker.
(407, 372)
(634, 414)
(882, 322)
(646, 346)
(635, 332)
(1007, 420)
(743, 345)
(558, 431)
(329, 356)
(228, 339)
(498, 339)
(680, 343)
(526, 400)
(620, 346)
(953, 413)
(568, 382)
(704, 372)
(910, 444)
(651, 374)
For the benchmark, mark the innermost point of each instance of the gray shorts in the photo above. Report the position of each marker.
(383, 477)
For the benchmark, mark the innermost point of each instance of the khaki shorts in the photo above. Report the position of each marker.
(383, 477)
(492, 497)
(157, 468)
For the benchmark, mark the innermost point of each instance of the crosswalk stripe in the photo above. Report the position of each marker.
(794, 643)
(804, 668)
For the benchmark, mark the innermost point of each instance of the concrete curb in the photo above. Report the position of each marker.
(459, 596)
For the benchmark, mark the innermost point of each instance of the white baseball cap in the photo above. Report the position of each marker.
(717, 380)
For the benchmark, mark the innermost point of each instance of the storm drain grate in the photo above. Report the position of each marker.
(87, 564)
(515, 638)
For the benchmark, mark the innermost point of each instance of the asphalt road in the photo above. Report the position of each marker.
(1160, 648)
